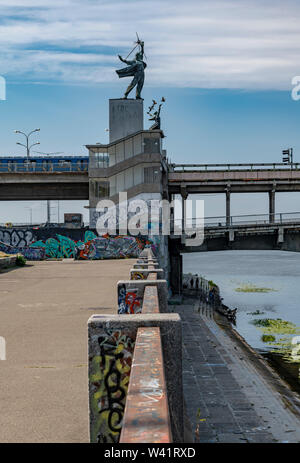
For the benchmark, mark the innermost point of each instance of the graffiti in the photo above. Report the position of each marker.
(110, 378)
(62, 247)
(122, 299)
(29, 253)
(17, 238)
(92, 248)
(138, 276)
(129, 300)
(73, 244)
(105, 247)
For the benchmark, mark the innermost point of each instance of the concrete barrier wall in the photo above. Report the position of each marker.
(147, 390)
(60, 242)
(6, 262)
(126, 353)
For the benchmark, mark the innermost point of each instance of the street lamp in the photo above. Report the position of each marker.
(27, 140)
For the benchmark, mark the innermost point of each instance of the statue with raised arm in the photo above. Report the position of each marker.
(135, 69)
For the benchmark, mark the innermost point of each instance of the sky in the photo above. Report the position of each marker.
(224, 67)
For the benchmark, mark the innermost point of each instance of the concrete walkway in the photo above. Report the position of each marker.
(44, 308)
(231, 394)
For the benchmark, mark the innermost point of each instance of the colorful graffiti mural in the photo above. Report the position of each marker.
(29, 253)
(79, 244)
(109, 377)
(61, 247)
(111, 247)
(129, 299)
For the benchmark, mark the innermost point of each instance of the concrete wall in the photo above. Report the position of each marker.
(37, 244)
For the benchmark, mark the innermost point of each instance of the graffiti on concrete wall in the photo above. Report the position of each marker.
(27, 252)
(16, 237)
(111, 247)
(59, 245)
(129, 299)
(109, 378)
(138, 276)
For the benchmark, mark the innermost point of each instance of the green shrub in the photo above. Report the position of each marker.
(20, 261)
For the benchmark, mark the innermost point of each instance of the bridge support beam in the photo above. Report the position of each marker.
(175, 276)
(280, 236)
(184, 195)
(227, 207)
(272, 206)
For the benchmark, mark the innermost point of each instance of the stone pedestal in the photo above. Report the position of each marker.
(125, 117)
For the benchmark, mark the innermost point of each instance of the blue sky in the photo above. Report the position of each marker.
(224, 67)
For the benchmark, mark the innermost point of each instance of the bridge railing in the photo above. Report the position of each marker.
(242, 166)
(147, 344)
(7, 167)
(154, 424)
(239, 220)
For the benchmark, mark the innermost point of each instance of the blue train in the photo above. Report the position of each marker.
(44, 164)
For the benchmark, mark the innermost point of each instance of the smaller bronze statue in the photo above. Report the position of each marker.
(135, 68)
(156, 115)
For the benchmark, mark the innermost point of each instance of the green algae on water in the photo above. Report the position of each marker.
(249, 288)
(279, 335)
(275, 326)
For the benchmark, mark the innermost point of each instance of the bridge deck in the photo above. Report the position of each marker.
(239, 180)
(231, 396)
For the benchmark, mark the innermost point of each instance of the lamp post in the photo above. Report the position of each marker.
(28, 148)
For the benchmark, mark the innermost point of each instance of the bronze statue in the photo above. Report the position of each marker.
(136, 69)
(156, 115)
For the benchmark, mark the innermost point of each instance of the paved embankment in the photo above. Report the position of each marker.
(44, 308)
(231, 394)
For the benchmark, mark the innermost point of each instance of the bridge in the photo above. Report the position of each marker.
(43, 178)
(187, 179)
(51, 179)
(243, 232)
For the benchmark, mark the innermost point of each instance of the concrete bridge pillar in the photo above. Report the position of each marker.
(175, 275)
(227, 206)
(272, 206)
(184, 195)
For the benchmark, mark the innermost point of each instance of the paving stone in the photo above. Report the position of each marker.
(231, 438)
(211, 389)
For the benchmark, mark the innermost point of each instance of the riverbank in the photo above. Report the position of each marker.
(231, 394)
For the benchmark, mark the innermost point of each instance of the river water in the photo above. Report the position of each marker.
(265, 288)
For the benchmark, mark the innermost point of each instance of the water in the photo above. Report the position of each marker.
(275, 271)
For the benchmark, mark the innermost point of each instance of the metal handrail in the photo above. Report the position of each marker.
(39, 168)
(251, 166)
(217, 221)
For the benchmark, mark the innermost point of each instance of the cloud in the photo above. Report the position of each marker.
(248, 44)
